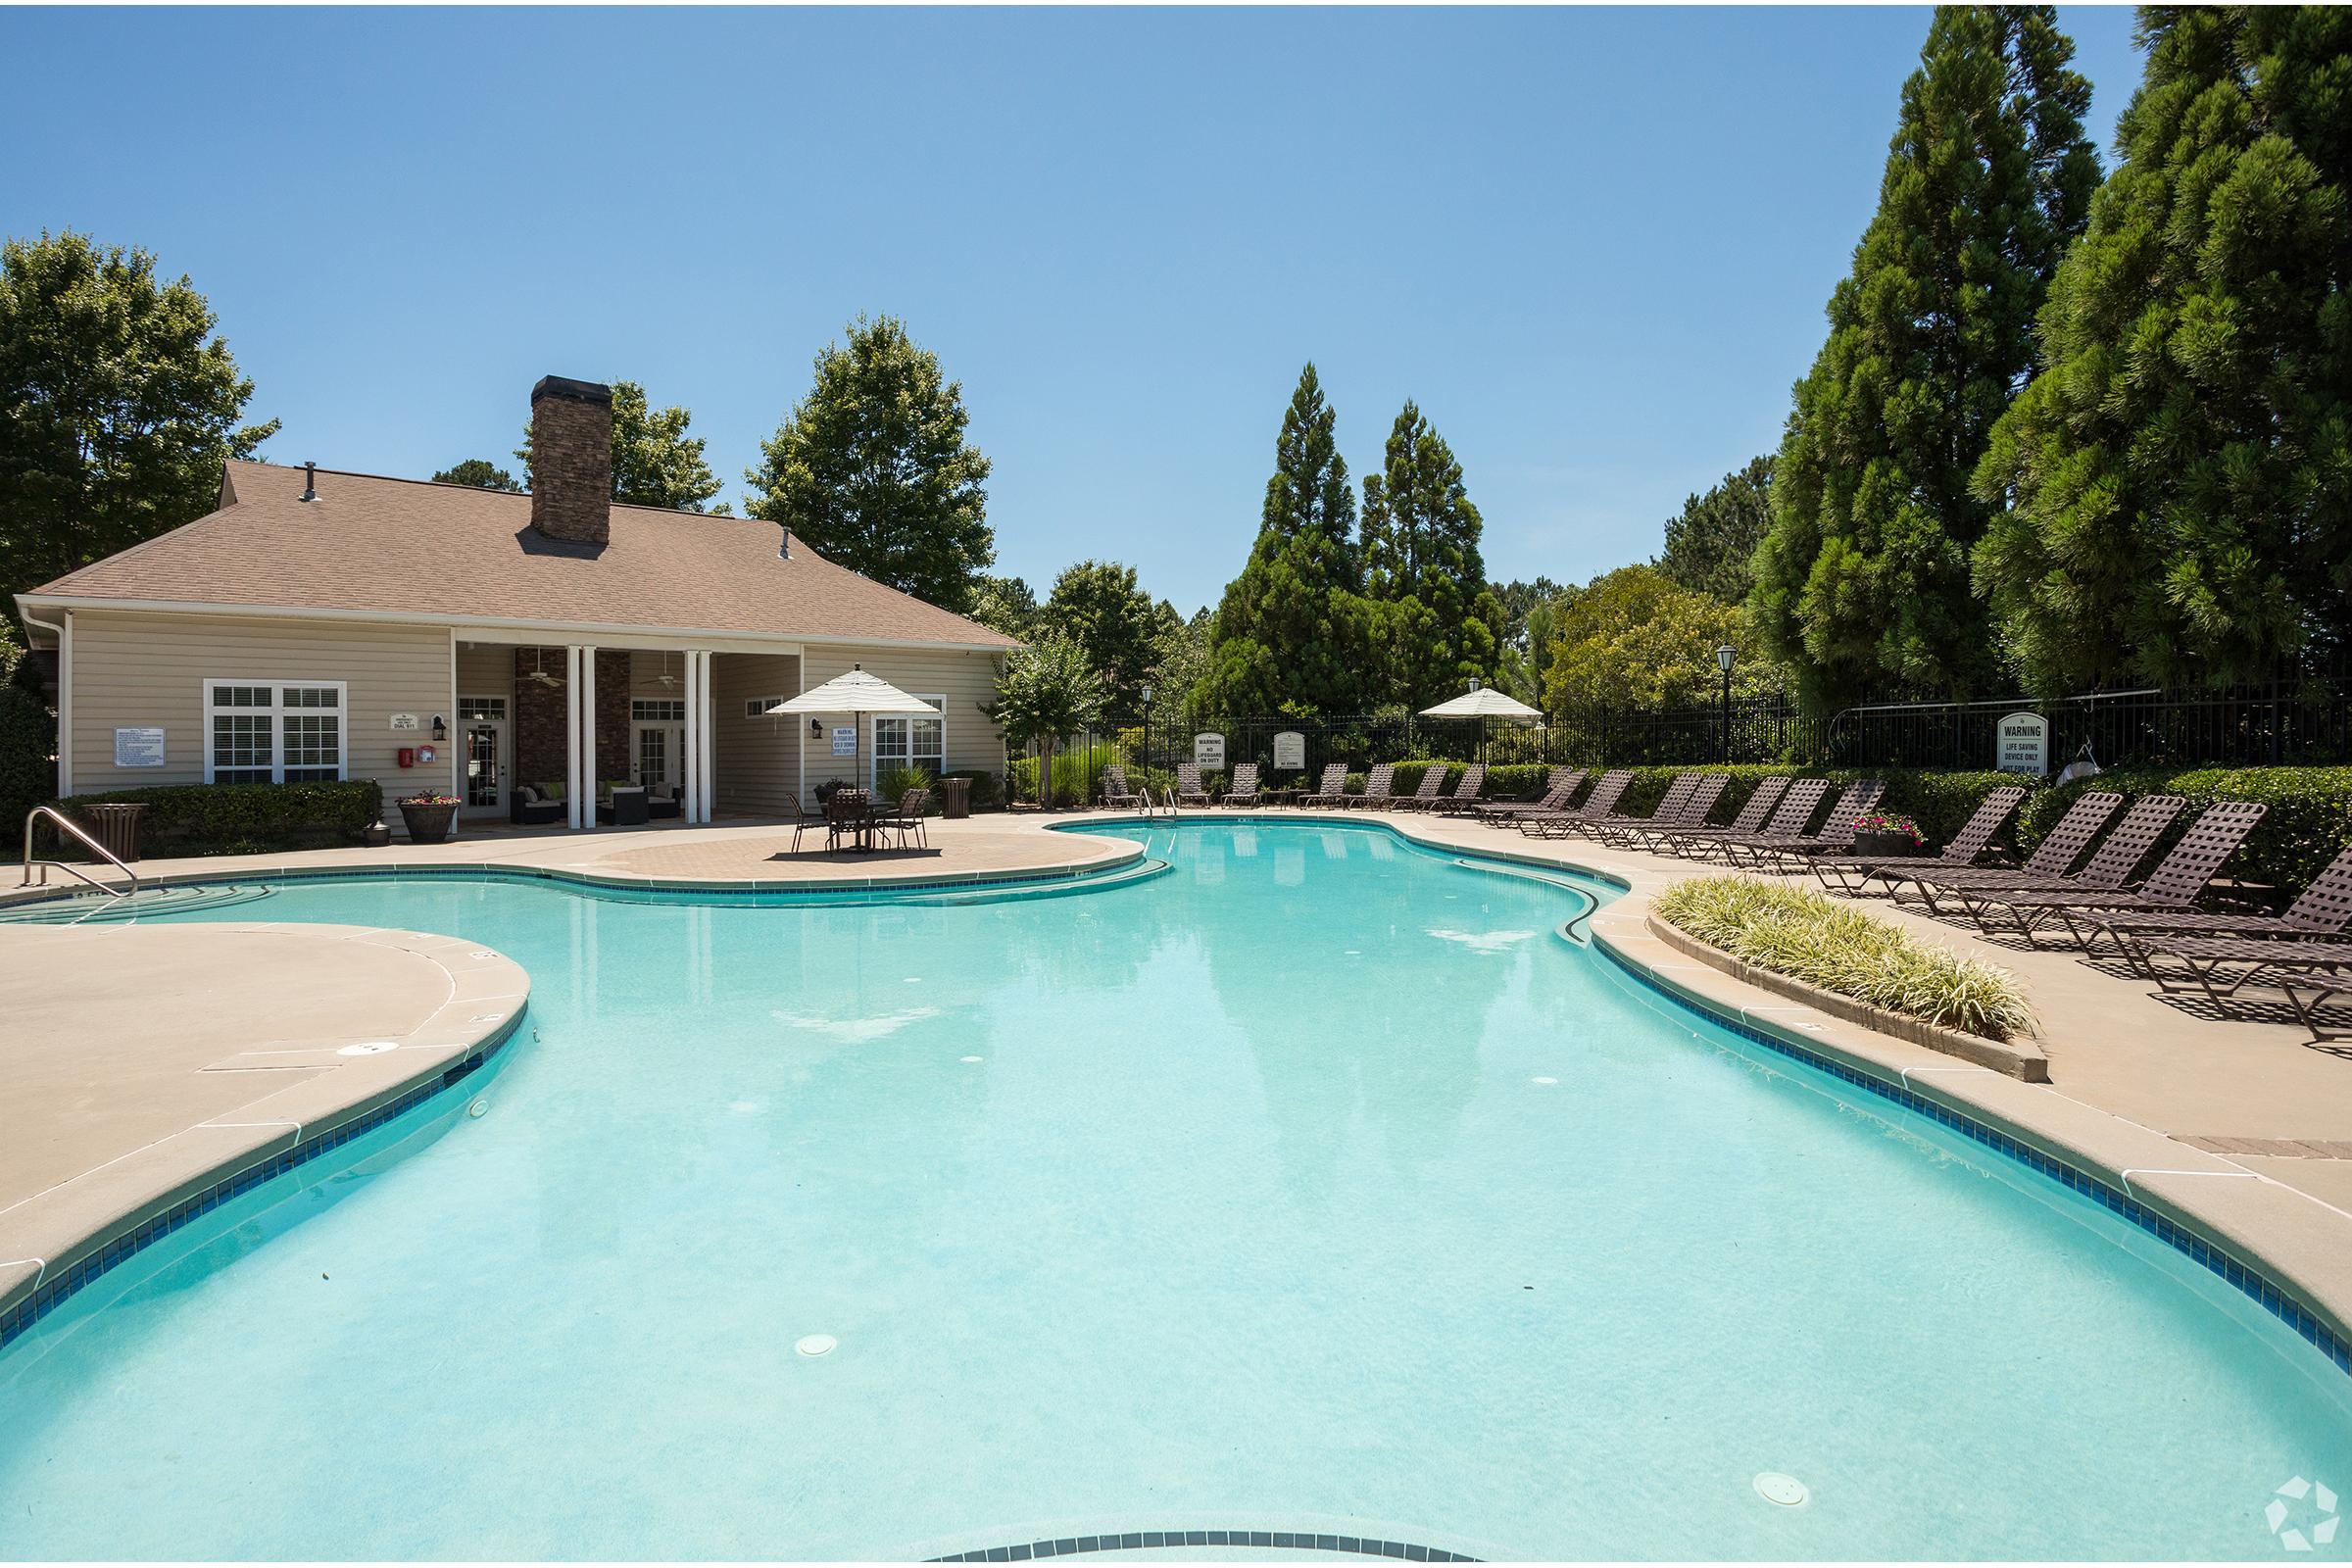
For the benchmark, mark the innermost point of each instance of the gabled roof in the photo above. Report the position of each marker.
(408, 549)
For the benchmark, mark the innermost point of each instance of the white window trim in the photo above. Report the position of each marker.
(506, 709)
(277, 710)
(873, 738)
(757, 707)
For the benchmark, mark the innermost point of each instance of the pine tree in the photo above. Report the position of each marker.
(1711, 547)
(1421, 554)
(2178, 480)
(1294, 628)
(1863, 581)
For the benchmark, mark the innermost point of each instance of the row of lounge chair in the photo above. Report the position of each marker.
(1242, 789)
(2155, 923)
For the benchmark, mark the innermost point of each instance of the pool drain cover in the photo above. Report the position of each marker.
(1785, 1491)
(816, 1344)
(369, 1048)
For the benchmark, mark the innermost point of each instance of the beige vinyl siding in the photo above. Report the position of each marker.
(133, 668)
(486, 669)
(756, 766)
(965, 680)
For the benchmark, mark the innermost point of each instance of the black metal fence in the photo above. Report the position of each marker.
(2305, 721)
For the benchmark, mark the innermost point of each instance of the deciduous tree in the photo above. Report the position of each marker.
(873, 469)
(1863, 582)
(1096, 605)
(1635, 639)
(118, 405)
(1048, 691)
(480, 473)
(2177, 482)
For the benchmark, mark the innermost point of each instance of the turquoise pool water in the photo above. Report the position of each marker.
(1316, 1185)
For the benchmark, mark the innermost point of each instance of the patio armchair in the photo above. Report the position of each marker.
(1188, 790)
(804, 820)
(907, 819)
(1852, 875)
(1117, 792)
(1243, 788)
(536, 804)
(621, 806)
(663, 800)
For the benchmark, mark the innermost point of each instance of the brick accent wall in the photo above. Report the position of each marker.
(572, 459)
(539, 738)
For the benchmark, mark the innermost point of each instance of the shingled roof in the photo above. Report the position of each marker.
(407, 548)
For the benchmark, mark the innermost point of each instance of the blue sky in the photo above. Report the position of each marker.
(1592, 244)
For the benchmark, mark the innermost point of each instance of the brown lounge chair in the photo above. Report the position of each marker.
(2310, 970)
(1115, 790)
(1852, 875)
(1788, 852)
(1187, 785)
(1242, 789)
(1376, 794)
(1433, 779)
(1598, 803)
(2052, 859)
(1596, 816)
(1611, 829)
(1466, 790)
(1797, 804)
(2323, 909)
(1753, 812)
(1559, 789)
(2174, 887)
(1332, 791)
(1695, 809)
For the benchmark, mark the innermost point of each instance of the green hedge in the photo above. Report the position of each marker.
(244, 819)
(987, 789)
(28, 755)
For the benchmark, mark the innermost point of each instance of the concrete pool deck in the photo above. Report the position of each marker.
(2238, 1130)
(147, 1063)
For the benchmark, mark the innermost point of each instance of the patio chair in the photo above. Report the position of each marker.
(1332, 791)
(1187, 785)
(1242, 790)
(1852, 875)
(2111, 867)
(2172, 888)
(1754, 813)
(804, 820)
(1466, 789)
(1115, 791)
(2320, 910)
(1433, 779)
(1598, 803)
(1376, 786)
(848, 815)
(1791, 815)
(906, 821)
(1788, 852)
(2046, 866)
(1610, 829)
(1695, 809)
(2310, 970)
(1559, 789)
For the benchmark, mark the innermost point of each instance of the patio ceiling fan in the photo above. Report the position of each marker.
(665, 677)
(539, 669)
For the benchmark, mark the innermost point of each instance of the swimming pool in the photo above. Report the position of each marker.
(1318, 1184)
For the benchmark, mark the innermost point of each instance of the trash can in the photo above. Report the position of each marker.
(116, 827)
(956, 797)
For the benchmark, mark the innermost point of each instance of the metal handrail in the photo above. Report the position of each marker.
(69, 825)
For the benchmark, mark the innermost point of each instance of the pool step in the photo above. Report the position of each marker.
(98, 909)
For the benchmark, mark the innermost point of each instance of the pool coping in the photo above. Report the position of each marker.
(147, 1194)
(2285, 1250)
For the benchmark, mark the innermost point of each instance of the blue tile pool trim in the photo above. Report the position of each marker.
(53, 1290)
(1178, 1540)
(2252, 1281)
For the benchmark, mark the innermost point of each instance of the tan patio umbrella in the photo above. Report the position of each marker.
(1482, 703)
(856, 693)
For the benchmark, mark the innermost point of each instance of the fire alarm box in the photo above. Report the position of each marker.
(427, 754)
(408, 756)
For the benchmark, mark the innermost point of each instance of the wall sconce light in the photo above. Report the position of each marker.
(440, 728)
(816, 730)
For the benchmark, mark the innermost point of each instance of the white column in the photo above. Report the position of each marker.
(457, 742)
(588, 769)
(571, 735)
(800, 736)
(64, 712)
(709, 742)
(692, 809)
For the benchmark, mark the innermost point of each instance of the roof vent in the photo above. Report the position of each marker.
(309, 481)
(784, 549)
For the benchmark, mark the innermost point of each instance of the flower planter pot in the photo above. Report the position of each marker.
(1886, 846)
(428, 824)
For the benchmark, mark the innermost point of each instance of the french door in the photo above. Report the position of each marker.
(659, 750)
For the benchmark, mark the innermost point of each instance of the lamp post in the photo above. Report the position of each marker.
(1145, 764)
(1724, 656)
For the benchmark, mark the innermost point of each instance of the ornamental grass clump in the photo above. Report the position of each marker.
(1798, 932)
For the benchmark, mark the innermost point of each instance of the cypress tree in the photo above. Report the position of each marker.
(1291, 629)
(1863, 580)
(2176, 482)
(1421, 554)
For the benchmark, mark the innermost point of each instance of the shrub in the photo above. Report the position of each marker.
(987, 789)
(28, 754)
(895, 781)
(245, 818)
(1077, 773)
(1799, 932)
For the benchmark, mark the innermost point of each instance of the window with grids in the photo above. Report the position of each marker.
(757, 707)
(272, 733)
(659, 710)
(908, 740)
(481, 707)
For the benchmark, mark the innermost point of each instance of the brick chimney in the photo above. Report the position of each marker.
(572, 459)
